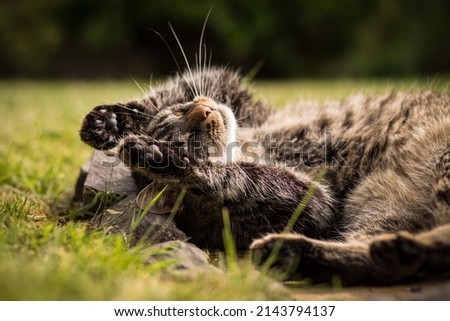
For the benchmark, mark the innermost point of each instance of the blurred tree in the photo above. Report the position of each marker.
(402, 38)
(29, 34)
(82, 38)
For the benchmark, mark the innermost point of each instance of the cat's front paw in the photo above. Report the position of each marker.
(141, 152)
(105, 125)
(397, 251)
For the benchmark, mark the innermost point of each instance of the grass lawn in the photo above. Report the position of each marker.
(45, 257)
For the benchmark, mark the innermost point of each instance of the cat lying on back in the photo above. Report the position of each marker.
(380, 213)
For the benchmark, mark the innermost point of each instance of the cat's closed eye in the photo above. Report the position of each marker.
(180, 110)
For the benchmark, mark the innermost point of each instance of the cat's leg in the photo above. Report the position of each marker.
(421, 255)
(385, 210)
(299, 257)
(382, 259)
(411, 207)
(267, 194)
(154, 158)
(163, 161)
(426, 253)
(104, 126)
(387, 202)
(373, 249)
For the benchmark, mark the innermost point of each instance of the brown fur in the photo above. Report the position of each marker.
(381, 214)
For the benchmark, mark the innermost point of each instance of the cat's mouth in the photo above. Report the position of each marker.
(211, 128)
(211, 120)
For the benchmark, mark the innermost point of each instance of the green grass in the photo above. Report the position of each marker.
(45, 257)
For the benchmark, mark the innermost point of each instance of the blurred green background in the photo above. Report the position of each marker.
(286, 38)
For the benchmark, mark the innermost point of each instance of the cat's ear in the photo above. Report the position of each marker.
(104, 126)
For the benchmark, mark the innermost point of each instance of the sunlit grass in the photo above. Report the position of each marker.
(46, 257)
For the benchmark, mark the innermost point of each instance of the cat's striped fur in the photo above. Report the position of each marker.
(380, 214)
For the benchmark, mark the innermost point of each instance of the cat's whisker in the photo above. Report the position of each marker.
(196, 92)
(213, 93)
(109, 102)
(205, 68)
(131, 109)
(150, 80)
(149, 101)
(200, 44)
(137, 84)
(197, 69)
(175, 59)
(238, 120)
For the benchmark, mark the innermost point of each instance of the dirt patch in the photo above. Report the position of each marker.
(425, 291)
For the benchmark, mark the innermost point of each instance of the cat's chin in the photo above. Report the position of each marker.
(227, 115)
(231, 152)
(229, 122)
(212, 130)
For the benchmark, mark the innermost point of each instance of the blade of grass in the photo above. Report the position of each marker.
(169, 219)
(228, 241)
(99, 199)
(137, 220)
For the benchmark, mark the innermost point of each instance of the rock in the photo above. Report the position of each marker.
(117, 210)
(127, 218)
(108, 173)
(105, 173)
(182, 257)
(121, 210)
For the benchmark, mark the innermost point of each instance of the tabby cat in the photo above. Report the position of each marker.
(368, 177)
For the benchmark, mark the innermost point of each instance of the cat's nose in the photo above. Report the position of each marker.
(197, 115)
(202, 107)
(202, 112)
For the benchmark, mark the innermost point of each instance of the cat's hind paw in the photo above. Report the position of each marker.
(397, 251)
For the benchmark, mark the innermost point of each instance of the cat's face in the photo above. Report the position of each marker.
(204, 127)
